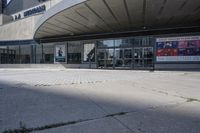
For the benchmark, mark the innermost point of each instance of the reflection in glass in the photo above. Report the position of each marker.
(109, 59)
(106, 43)
(39, 57)
(101, 63)
(127, 57)
(143, 57)
(119, 57)
(3, 54)
(148, 53)
(127, 53)
(123, 43)
(105, 57)
(128, 63)
(110, 54)
(14, 55)
(48, 50)
(138, 53)
(137, 42)
(74, 53)
(123, 57)
(101, 55)
(25, 54)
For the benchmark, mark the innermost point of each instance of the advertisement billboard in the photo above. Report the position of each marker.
(60, 54)
(178, 49)
(89, 52)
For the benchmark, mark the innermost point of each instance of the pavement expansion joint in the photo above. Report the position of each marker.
(117, 114)
(24, 129)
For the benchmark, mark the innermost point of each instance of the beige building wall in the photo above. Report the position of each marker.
(19, 30)
(22, 29)
(54, 2)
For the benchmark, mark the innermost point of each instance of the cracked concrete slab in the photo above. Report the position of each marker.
(123, 96)
(39, 106)
(133, 101)
(184, 118)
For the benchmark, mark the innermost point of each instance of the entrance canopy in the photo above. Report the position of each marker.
(89, 17)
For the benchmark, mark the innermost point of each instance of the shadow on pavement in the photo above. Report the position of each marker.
(43, 108)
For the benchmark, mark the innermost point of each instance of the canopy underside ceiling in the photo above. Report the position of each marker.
(109, 16)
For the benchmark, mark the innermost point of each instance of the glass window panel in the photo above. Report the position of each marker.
(118, 63)
(123, 43)
(48, 50)
(25, 54)
(74, 52)
(118, 53)
(138, 53)
(119, 57)
(148, 52)
(39, 58)
(137, 42)
(14, 55)
(3, 54)
(127, 53)
(118, 43)
(109, 55)
(144, 41)
(101, 63)
(127, 63)
(106, 43)
(152, 41)
(101, 54)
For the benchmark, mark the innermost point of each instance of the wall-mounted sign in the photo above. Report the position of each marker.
(60, 53)
(35, 10)
(178, 49)
(30, 12)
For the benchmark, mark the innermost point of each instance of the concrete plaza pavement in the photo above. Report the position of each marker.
(99, 101)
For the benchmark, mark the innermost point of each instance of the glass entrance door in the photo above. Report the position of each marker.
(143, 57)
(133, 53)
(105, 58)
(126, 58)
(123, 58)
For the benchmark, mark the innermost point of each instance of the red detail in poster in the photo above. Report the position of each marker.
(167, 52)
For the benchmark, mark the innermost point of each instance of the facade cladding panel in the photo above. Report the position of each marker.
(80, 33)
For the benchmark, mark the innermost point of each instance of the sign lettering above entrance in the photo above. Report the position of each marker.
(35, 10)
(30, 12)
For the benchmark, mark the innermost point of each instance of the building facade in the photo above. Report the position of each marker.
(104, 34)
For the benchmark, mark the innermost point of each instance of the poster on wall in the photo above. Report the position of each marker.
(176, 49)
(60, 54)
(89, 52)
